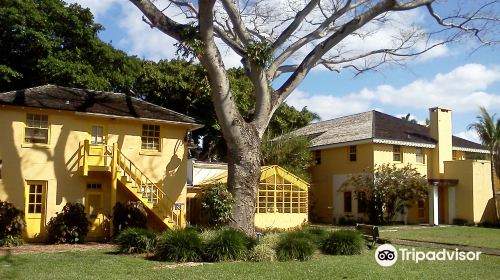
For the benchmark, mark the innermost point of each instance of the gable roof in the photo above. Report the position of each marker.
(92, 102)
(376, 127)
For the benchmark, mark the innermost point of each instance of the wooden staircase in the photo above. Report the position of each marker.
(111, 159)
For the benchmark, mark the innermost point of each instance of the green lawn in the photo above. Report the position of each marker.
(473, 236)
(105, 265)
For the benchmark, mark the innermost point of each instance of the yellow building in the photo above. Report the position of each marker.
(60, 145)
(460, 185)
(282, 199)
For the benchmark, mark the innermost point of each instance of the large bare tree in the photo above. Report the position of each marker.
(288, 38)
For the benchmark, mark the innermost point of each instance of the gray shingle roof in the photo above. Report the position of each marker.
(90, 101)
(373, 125)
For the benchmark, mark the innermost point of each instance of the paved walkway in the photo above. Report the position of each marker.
(450, 246)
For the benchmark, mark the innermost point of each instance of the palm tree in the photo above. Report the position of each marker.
(407, 118)
(488, 130)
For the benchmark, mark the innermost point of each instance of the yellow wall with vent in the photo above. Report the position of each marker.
(56, 164)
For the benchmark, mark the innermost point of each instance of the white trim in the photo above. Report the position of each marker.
(192, 126)
(343, 144)
(471, 150)
(433, 205)
(372, 140)
(403, 143)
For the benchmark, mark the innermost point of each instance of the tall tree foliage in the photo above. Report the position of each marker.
(388, 190)
(291, 153)
(50, 42)
(488, 129)
(183, 86)
(47, 42)
(292, 37)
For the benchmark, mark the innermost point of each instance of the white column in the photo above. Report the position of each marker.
(433, 205)
(451, 204)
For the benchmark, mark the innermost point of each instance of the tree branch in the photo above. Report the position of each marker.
(211, 59)
(299, 18)
(158, 19)
(238, 24)
(319, 50)
(316, 34)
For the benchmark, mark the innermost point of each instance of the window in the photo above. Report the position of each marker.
(150, 137)
(97, 135)
(396, 153)
(317, 157)
(35, 198)
(37, 129)
(419, 155)
(361, 202)
(347, 201)
(352, 153)
(420, 207)
(94, 186)
(454, 155)
(277, 195)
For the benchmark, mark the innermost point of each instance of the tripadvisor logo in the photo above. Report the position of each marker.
(387, 255)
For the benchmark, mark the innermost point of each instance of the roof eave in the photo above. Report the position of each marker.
(470, 150)
(191, 126)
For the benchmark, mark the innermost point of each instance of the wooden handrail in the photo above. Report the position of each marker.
(146, 185)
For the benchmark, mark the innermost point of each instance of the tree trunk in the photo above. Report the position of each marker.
(243, 178)
(492, 165)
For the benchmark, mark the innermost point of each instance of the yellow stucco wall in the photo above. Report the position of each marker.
(335, 168)
(279, 220)
(473, 193)
(335, 161)
(56, 163)
(440, 129)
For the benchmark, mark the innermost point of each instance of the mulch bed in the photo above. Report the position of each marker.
(32, 248)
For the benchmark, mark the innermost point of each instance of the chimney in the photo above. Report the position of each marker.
(441, 131)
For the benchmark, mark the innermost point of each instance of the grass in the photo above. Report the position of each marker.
(472, 236)
(106, 265)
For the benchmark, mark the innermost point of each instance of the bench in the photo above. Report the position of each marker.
(369, 232)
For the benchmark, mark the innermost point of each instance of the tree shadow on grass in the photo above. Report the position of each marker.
(8, 266)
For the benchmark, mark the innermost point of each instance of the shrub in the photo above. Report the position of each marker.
(208, 235)
(296, 245)
(218, 202)
(11, 224)
(136, 240)
(129, 214)
(343, 242)
(271, 240)
(227, 245)
(262, 252)
(347, 221)
(11, 241)
(459, 222)
(318, 235)
(69, 226)
(179, 246)
(489, 224)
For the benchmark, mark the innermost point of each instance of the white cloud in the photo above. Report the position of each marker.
(142, 40)
(463, 89)
(470, 135)
(97, 7)
(329, 106)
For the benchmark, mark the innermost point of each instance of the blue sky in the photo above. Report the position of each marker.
(452, 77)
